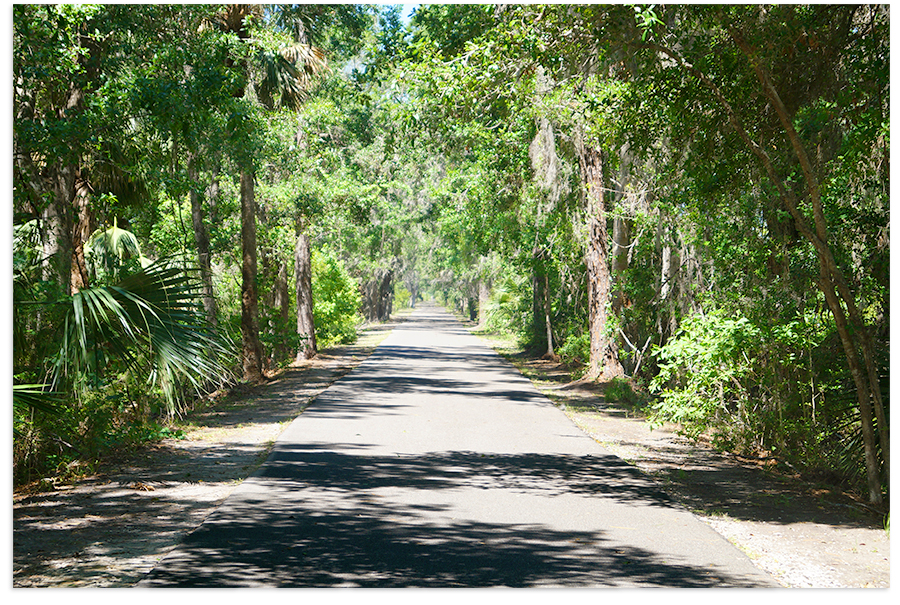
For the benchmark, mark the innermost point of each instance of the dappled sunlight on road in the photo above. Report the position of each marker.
(435, 463)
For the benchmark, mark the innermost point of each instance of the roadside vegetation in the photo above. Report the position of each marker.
(688, 205)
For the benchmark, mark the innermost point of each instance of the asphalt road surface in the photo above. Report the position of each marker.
(436, 464)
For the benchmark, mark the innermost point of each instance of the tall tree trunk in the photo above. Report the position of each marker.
(201, 240)
(212, 195)
(621, 246)
(538, 273)
(604, 359)
(281, 301)
(251, 346)
(548, 326)
(412, 284)
(386, 295)
(621, 235)
(306, 328)
(541, 306)
(58, 223)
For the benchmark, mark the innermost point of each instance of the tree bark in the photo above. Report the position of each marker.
(621, 247)
(386, 296)
(281, 301)
(58, 230)
(538, 282)
(306, 328)
(201, 240)
(81, 232)
(548, 325)
(604, 359)
(250, 344)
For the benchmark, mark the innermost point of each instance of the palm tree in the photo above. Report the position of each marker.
(286, 75)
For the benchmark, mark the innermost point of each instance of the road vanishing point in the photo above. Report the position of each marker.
(436, 464)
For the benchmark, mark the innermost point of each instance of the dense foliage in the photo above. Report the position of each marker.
(691, 200)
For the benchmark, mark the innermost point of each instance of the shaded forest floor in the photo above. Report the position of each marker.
(110, 528)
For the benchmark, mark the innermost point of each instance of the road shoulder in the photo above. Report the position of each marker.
(806, 535)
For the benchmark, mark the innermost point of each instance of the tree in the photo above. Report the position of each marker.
(306, 327)
(65, 132)
(769, 45)
(604, 361)
(286, 74)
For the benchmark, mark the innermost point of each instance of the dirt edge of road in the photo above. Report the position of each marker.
(109, 529)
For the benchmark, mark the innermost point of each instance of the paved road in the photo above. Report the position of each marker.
(436, 464)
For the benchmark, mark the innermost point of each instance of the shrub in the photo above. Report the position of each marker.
(336, 301)
(402, 296)
(576, 350)
(700, 375)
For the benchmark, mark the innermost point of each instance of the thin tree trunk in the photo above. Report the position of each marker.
(281, 301)
(212, 196)
(548, 326)
(386, 296)
(412, 285)
(306, 328)
(201, 240)
(251, 346)
(537, 301)
(621, 235)
(836, 291)
(81, 232)
(621, 246)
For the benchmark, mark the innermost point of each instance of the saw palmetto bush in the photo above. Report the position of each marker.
(145, 326)
(151, 321)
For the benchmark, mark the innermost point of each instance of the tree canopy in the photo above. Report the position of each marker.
(692, 199)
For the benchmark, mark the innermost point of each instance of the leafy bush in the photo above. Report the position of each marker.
(336, 301)
(576, 349)
(620, 390)
(508, 309)
(402, 296)
(700, 374)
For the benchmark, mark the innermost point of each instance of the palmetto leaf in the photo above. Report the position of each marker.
(107, 251)
(152, 320)
(288, 74)
(35, 396)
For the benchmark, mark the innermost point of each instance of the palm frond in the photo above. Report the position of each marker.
(37, 397)
(153, 321)
(233, 17)
(288, 74)
(108, 250)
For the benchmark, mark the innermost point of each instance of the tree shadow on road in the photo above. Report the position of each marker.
(300, 537)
